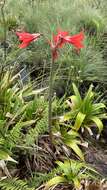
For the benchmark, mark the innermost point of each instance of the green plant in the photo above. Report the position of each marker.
(40, 128)
(84, 112)
(41, 178)
(72, 139)
(14, 184)
(65, 136)
(71, 172)
(19, 111)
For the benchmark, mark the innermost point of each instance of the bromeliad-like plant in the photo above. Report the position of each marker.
(84, 112)
(70, 138)
(18, 112)
(58, 41)
(71, 172)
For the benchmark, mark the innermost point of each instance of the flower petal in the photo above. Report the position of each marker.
(24, 45)
(26, 38)
(76, 40)
(58, 39)
(62, 33)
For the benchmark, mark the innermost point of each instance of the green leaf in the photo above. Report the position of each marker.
(73, 133)
(73, 144)
(19, 112)
(77, 92)
(5, 156)
(89, 94)
(69, 115)
(5, 80)
(76, 103)
(55, 181)
(87, 102)
(79, 120)
(70, 135)
(98, 122)
(64, 167)
(15, 132)
(26, 123)
(77, 183)
(35, 92)
(96, 108)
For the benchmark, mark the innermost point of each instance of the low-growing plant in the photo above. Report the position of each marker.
(84, 112)
(65, 136)
(21, 111)
(14, 184)
(71, 172)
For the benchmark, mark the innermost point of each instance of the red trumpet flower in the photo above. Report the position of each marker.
(58, 39)
(62, 37)
(27, 38)
(57, 42)
(75, 40)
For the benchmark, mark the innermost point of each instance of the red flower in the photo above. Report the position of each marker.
(57, 42)
(76, 40)
(27, 38)
(61, 38)
(58, 39)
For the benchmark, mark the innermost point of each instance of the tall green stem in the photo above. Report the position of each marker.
(50, 102)
(54, 49)
(4, 25)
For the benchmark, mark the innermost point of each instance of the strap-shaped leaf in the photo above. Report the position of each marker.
(64, 166)
(96, 108)
(77, 183)
(87, 102)
(20, 111)
(98, 123)
(55, 181)
(69, 115)
(5, 156)
(5, 81)
(26, 123)
(89, 94)
(73, 144)
(76, 103)
(79, 120)
(76, 91)
(73, 133)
